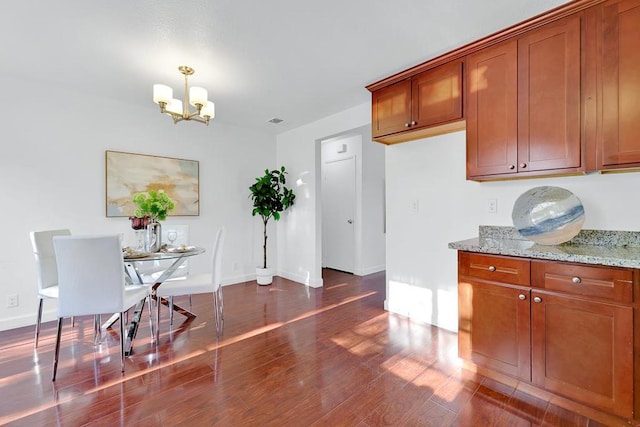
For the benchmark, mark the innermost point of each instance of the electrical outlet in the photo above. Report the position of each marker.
(12, 300)
(492, 206)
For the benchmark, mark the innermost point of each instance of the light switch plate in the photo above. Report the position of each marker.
(492, 206)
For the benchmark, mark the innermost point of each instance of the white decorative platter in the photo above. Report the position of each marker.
(548, 215)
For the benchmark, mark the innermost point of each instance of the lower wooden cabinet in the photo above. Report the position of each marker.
(495, 328)
(569, 331)
(583, 350)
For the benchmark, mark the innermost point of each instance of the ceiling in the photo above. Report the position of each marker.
(296, 60)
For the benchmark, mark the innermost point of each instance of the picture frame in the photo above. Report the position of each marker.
(128, 174)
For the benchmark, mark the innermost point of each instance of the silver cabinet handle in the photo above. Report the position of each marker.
(537, 299)
(523, 165)
(413, 123)
(522, 297)
(492, 268)
(576, 280)
(512, 167)
(407, 125)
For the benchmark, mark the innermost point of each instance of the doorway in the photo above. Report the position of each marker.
(338, 214)
(351, 195)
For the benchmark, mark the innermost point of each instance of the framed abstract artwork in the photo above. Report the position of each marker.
(128, 174)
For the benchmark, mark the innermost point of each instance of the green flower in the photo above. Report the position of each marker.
(155, 204)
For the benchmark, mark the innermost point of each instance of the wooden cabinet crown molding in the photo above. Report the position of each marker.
(497, 37)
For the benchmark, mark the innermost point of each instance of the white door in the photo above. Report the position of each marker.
(338, 214)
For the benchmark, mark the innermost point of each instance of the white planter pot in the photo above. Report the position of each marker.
(264, 276)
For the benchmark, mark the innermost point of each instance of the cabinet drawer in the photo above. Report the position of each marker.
(514, 271)
(609, 283)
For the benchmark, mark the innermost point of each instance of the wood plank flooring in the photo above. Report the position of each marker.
(289, 356)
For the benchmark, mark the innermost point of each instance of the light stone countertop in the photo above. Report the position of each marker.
(600, 247)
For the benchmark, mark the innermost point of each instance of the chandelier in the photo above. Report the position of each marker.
(179, 110)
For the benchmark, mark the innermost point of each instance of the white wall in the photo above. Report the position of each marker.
(373, 204)
(52, 175)
(299, 234)
(421, 270)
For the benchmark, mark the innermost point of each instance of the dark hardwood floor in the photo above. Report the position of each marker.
(290, 356)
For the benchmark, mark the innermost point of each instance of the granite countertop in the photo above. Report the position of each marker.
(600, 247)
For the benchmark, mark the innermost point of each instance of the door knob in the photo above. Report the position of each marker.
(522, 297)
(537, 299)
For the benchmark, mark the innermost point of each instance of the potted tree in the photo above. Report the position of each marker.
(270, 197)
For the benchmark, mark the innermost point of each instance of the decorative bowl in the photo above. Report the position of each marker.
(548, 215)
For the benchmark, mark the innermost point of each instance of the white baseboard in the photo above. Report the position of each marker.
(27, 319)
(369, 270)
(238, 279)
(314, 283)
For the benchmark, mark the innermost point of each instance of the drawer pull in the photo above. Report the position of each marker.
(492, 268)
(537, 299)
(522, 297)
(576, 280)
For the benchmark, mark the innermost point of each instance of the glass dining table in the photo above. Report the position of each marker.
(133, 263)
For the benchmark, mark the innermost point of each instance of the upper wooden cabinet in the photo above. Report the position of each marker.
(618, 71)
(411, 108)
(557, 94)
(492, 110)
(523, 104)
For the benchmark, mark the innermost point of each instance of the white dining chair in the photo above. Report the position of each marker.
(91, 281)
(46, 269)
(198, 284)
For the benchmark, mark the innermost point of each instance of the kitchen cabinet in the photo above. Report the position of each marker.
(523, 109)
(492, 111)
(618, 33)
(567, 329)
(554, 95)
(494, 316)
(582, 333)
(425, 104)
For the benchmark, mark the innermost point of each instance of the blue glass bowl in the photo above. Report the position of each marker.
(548, 215)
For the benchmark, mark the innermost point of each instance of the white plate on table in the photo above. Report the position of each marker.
(181, 249)
(135, 255)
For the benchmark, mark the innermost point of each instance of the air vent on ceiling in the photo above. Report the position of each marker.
(275, 120)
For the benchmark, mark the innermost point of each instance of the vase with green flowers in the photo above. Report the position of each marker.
(152, 207)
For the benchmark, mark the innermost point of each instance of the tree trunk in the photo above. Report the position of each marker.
(264, 247)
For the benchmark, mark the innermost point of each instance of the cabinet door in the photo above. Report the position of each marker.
(494, 327)
(391, 109)
(491, 110)
(583, 350)
(549, 97)
(620, 70)
(437, 95)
